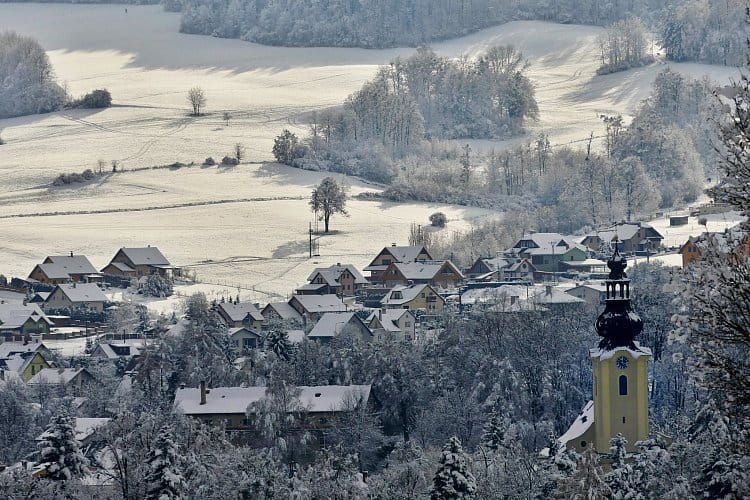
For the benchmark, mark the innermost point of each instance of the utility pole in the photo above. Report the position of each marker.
(310, 231)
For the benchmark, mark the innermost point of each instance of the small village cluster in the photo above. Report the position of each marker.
(403, 299)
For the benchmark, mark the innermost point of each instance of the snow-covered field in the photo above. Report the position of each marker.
(249, 221)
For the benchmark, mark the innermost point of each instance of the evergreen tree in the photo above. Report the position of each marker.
(61, 451)
(277, 340)
(453, 480)
(494, 433)
(164, 477)
(588, 482)
(620, 478)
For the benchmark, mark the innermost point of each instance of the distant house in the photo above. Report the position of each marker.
(504, 298)
(75, 379)
(38, 298)
(585, 266)
(85, 430)
(594, 294)
(730, 242)
(318, 408)
(77, 296)
(487, 268)
(240, 314)
(553, 296)
(18, 320)
(57, 269)
(414, 298)
(547, 251)
(312, 307)
(393, 324)
(439, 274)
(23, 358)
(115, 350)
(245, 339)
(389, 255)
(332, 325)
(340, 279)
(281, 311)
(634, 237)
(138, 262)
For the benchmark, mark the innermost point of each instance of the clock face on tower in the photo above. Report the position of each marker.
(622, 362)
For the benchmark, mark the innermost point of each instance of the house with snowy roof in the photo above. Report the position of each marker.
(503, 298)
(312, 307)
(115, 350)
(413, 298)
(332, 325)
(139, 262)
(343, 280)
(317, 407)
(239, 314)
(18, 321)
(547, 251)
(281, 311)
(394, 253)
(730, 242)
(439, 274)
(594, 293)
(85, 429)
(552, 296)
(24, 358)
(501, 268)
(77, 296)
(57, 269)
(393, 324)
(634, 237)
(78, 380)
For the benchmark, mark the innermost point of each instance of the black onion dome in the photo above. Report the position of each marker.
(618, 325)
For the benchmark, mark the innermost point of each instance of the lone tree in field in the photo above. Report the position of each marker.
(197, 99)
(327, 199)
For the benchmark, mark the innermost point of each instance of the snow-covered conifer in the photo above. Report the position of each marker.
(60, 450)
(453, 479)
(164, 477)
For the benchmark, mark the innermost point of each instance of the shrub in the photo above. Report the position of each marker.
(438, 219)
(155, 286)
(209, 161)
(229, 161)
(100, 98)
(74, 178)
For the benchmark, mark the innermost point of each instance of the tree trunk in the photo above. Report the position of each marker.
(326, 218)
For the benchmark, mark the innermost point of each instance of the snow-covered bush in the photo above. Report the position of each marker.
(154, 285)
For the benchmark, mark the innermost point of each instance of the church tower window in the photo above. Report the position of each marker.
(623, 385)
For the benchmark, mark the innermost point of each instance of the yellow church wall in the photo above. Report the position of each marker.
(610, 408)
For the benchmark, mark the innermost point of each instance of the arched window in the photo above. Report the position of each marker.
(623, 385)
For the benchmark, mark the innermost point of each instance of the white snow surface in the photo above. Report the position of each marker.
(256, 246)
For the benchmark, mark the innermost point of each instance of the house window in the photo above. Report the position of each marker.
(623, 420)
(249, 343)
(423, 295)
(623, 385)
(386, 261)
(407, 324)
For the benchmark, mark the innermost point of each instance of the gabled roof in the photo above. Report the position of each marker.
(553, 295)
(496, 263)
(598, 286)
(84, 427)
(388, 318)
(400, 254)
(555, 249)
(319, 303)
(494, 295)
(408, 293)
(332, 274)
(62, 266)
(331, 324)
(580, 425)
(236, 400)
(283, 309)
(541, 240)
(238, 312)
(114, 350)
(424, 270)
(146, 256)
(121, 266)
(8, 348)
(14, 315)
(82, 292)
(624, 231)
(56, 375)
(234, 331)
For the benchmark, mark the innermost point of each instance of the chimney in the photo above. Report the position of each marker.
(393, 244)
(182, 386)
(338, 264)
(380, 314)
(548, 290)
(71, 253)
(203, 392)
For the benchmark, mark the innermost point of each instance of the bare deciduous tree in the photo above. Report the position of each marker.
(239, 152)
(197, 99)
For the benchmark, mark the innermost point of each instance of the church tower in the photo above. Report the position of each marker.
(620, 366)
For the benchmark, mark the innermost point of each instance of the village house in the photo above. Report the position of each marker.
(413, 298)
(281, 311)
(139, 262)
(312, 307)
(633, 237)
(342, 280)
(547, 251)
(587, 266)
(439, 274)
(553, 297)
(244, 339)
(77, 296)
(85, 428)
(505, 268)
(239, 314)
(332, 325)
(501, 297)
(389, 255)
(730, 242)
(58, 269)
(25, 359)
(76, 380)
(318, 408)
(115, 350)
(17, 321)
(595, 294)
(393, 324)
